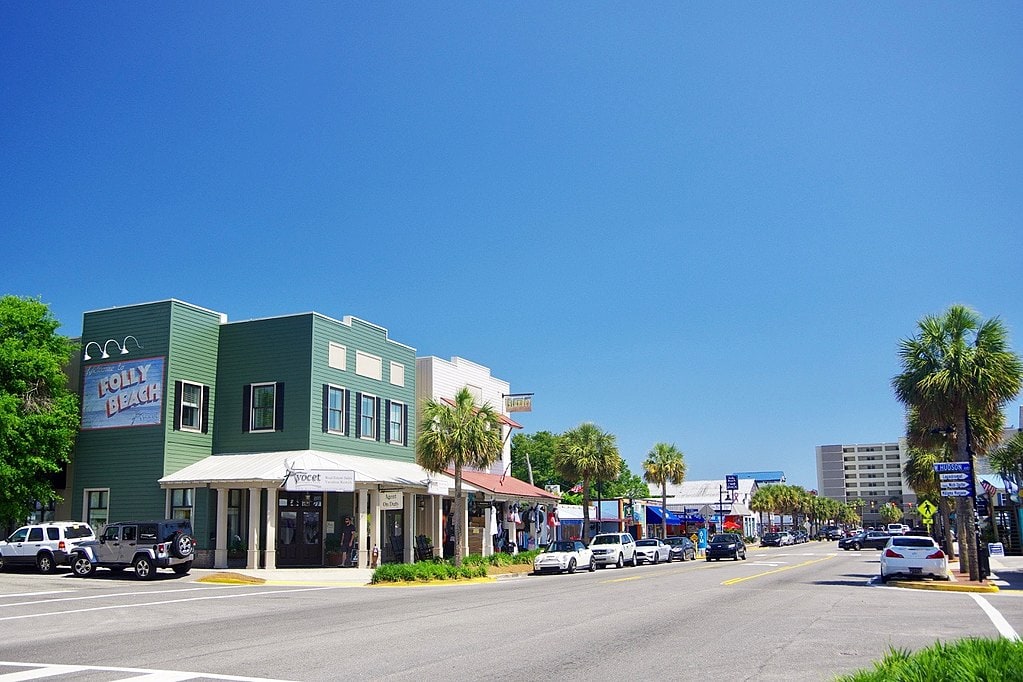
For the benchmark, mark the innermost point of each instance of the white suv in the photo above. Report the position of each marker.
(613, 549)
(44, 545)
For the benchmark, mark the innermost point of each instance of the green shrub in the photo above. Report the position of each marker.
(425, 571)
(993, 660)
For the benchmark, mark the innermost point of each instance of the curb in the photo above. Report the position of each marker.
(949, 586)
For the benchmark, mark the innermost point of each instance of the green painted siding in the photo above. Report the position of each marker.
(271, 350)
(194, 336)
(129, 460)
(358, 335)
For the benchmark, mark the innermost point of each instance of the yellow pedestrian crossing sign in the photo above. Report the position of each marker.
(927, 510)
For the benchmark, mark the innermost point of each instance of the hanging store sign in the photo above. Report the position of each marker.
(123, 394)
(521, 402)
(391, 500)
(320, 481)
(436, 487)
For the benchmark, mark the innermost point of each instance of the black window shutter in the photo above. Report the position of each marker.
(279, 406)
(404, 425)
(326, 408)
(380, 419)
(205, 409)
(348, 411)
(387, 421)
(177, 405)
(358, 415)
(246, 407)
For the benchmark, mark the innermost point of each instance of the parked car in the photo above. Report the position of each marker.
(652, 550)
(613, 549)
(799, 537)
(787, 538)
(43, 545)
(830, 533)
(726, 545)
(896, 529)
(143, 545)
(914, 557)
(771, 540)
(874, 539)
(564, 556)
(682, 548)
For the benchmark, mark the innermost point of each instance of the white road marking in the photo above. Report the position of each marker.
(160, 603)
(111, 594)
(37, 671)
(1002, 625)
(22, 595)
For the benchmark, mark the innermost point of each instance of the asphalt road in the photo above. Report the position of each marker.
(795, 613)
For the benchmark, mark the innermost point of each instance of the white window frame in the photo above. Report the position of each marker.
(372, 435)
(87, 493)
(253, 407)
(331, 389)
(400, 438)
(197, 407)
(187, 503)
(337, 356)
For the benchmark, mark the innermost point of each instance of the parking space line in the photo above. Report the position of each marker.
(735, 581)
(1002, 625)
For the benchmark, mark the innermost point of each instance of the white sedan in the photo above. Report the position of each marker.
(914, 557)
(653, 551)
(564, 556)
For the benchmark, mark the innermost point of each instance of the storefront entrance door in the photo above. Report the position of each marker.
(300, 529)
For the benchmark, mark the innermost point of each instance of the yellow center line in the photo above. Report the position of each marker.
(733, 581)
(622, 580)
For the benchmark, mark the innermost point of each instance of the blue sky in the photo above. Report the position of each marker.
(687, 223)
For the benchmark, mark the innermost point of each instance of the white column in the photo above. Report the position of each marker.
(489, 530)
(376, 524)
(409, 546)
(438, 524)
(252, 554)
(220, 551)
(362, 530)
(271, 528)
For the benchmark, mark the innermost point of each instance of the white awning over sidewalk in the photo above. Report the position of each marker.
(269, 469)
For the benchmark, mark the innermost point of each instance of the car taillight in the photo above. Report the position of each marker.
(892, 554)
(937, 555)
(160, 548)
(61, 546)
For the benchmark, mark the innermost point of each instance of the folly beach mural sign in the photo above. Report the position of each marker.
(120, 394)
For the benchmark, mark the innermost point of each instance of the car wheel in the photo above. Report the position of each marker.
(571, 566)
(708, 558)
(182, 569)
(593, 565)
(81, 566)
(620, 562)
(635, 561)
(744, 555)
(182, 545)
(856, 546)
(883, 579)
(144, 569)
(1, 562)
(45, 562)
(657, 559)
(669, 557)
(736, 557)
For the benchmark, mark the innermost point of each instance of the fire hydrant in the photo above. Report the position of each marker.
(375, 557)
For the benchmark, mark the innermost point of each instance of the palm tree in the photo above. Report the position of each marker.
(958, 372)
(456, 436)
(664, 464)
(588, 454)
(768, 499)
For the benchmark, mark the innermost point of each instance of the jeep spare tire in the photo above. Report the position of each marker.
(182, 545)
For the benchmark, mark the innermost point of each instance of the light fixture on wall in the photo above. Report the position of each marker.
(123, 347)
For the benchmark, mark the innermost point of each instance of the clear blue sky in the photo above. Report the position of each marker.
(701, 225)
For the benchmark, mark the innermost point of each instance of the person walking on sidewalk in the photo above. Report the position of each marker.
(348, 543)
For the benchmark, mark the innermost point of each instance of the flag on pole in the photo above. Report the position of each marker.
(576, 488)
(989, 489)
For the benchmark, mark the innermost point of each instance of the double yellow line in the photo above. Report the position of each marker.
(735, 581)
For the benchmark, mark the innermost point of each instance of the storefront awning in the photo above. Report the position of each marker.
(654, 514)
(268, 470)
(505, 487)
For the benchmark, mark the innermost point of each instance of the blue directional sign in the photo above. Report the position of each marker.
(952, 467)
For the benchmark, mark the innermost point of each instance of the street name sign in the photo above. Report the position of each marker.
(954, 477)
(955, 493)
(952, 467)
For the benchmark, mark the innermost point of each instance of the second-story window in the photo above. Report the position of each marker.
(335, 409)
(396, 423)
(262, 407)
(368, 417)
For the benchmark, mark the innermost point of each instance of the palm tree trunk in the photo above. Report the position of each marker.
(459, 514)
(664, 510)
(964, 507)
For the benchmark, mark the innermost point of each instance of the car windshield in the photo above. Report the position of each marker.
(646, 543)
(561, 547)
(606, 540)
(724, 537)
